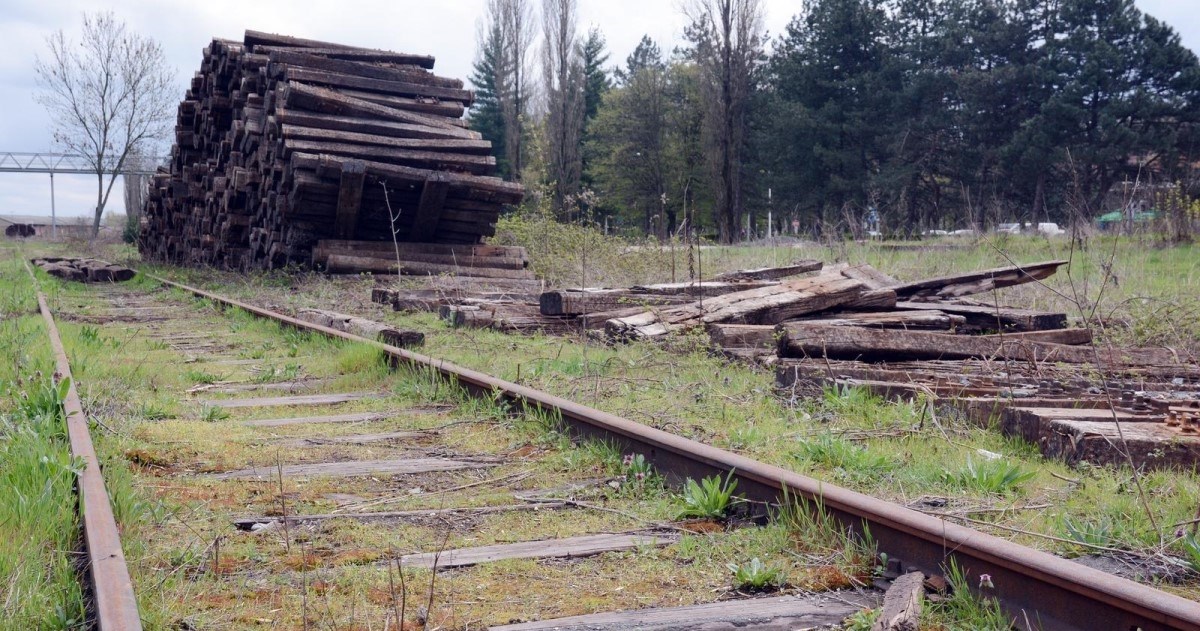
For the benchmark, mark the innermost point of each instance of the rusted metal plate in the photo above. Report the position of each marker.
(1040, 590)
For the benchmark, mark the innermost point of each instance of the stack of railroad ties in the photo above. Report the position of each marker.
(293, 151)
(839, 326)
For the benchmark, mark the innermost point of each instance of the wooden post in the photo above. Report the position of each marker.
(354, 173)
(429, 209)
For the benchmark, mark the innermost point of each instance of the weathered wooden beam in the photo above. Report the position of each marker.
(404, 338)
(771, 273)
(570, 547)
(977, 282)
(766, 305)
(807, 339)
(817, 611)
(987, 318)
(927, 319)
(400, 88)
(429, 209)
(350, 190)
(560, 302)
(354, 468)
(902, 604)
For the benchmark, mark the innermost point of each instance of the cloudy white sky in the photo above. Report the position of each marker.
(442, 28)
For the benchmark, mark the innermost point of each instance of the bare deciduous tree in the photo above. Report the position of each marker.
(513, 23)
(108, 94)
(728, 38)
(563, 70)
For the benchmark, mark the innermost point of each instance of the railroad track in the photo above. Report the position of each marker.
(412, 443)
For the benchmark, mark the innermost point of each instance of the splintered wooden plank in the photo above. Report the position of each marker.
(360, 417)
(1031, 423)
(234, 388)
(246, 523)
(808, 339)
(1149, 445)
(766, 305)
(429, 209)
(355, 468)
(776, 613)
(350, 190)
(309, 399)
(569, 547)
(352, 439)
(979, 281)
(983, 317)
(771, 273)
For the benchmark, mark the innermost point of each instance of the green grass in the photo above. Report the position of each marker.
(989, 476)
(967, 606)
(1150, 296)
(711, 498)
(756, 576)
(898, 451)
(39, 588)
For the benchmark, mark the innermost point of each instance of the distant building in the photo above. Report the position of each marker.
(24, 226)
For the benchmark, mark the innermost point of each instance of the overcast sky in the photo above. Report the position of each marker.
(442, 28)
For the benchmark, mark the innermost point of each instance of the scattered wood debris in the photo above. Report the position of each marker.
(841, 325)
(84, 270)
(902, 604)
(364, 328)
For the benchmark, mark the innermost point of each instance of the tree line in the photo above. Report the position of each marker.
(934, 114)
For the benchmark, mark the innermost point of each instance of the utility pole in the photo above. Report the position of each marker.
(53, 214)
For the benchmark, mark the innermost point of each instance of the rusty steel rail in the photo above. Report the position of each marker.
(111, 589)
(1039, 590)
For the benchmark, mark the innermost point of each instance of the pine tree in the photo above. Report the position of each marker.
(487, 115)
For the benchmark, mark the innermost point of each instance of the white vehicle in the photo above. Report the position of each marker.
(1050, 229)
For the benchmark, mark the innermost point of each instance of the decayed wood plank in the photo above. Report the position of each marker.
(771, 273)
(805, 339)
(310, 399)
(1031, 422)
(983, 318)
(902, 604)
(288, 386)
(569, 547)
(360, 417)
(264, 39)
(363, 327)
(707, 288)
(429, 208)
(1151, 445)
(561, 302)
(742, 335)
(374, 127)
(779, 613)
(766, 305)
(356, 264)
(1070, 337)
(978, 282)
(350, 191)
(929, 319)
(869, 276)
(352, 439)
(355, 468)
(246, 523)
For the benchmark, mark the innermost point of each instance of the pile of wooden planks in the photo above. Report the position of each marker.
(1107, 414)
(285, 143)
(84, 270)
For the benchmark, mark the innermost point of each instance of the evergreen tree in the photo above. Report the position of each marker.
(487, 115)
